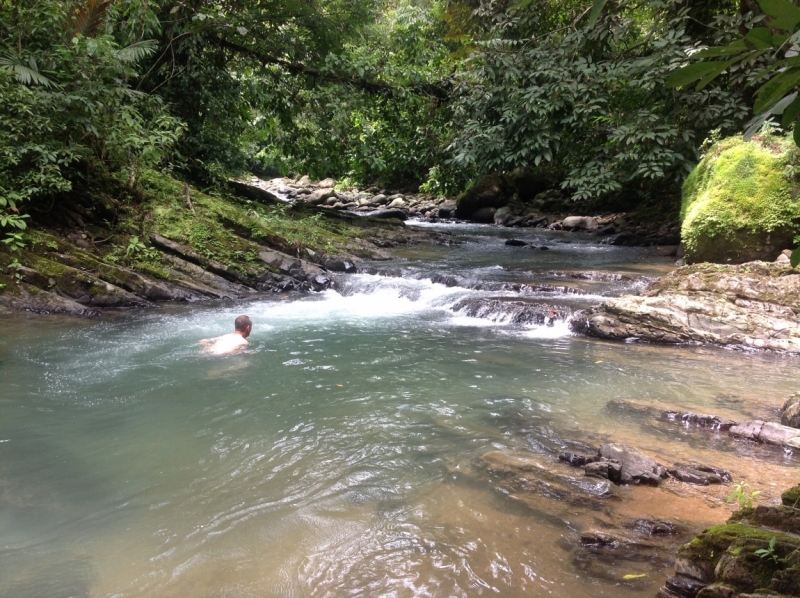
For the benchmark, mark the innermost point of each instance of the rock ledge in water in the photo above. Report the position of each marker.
(753, 305)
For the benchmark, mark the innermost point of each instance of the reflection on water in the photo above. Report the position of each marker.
(321, 462)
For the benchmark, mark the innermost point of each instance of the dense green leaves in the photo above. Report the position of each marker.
(587, 107)
(66, 106)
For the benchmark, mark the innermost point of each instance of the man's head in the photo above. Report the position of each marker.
(243, 326)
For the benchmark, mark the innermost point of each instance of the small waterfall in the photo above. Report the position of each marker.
(466, 302)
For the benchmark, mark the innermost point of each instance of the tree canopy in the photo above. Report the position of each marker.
(398, 92)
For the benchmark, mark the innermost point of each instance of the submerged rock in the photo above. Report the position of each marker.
(643, 409)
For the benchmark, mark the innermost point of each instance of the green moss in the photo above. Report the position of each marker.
(735, 198)
(791, 498)
(229, 229)
(712, 543)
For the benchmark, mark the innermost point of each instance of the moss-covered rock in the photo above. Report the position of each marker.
(791, 498)
(739, 203)
(757, 550)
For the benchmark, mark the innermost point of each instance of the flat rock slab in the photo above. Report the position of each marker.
(768, 433)
(752, 305)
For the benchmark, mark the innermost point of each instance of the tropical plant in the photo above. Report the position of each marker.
(769, 551)
(743, 496)
(66, 104)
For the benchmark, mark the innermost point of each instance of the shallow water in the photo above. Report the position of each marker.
(321, 462)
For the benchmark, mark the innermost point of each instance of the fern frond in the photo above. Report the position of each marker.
(137, 51)
(88, 20)
(27, 75)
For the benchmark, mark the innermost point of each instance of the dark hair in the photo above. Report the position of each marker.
(243, 323)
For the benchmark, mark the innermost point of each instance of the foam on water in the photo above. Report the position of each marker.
(372, 298)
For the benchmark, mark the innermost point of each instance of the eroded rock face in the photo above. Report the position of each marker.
(752, 305)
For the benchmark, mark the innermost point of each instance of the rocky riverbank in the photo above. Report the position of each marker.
(489, 202)
(755, 553)
(627, 510)
(174, 243)
(753, 305)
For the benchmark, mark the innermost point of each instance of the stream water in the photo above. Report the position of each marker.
(325, 460)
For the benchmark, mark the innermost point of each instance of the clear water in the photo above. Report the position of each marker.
(320, 463)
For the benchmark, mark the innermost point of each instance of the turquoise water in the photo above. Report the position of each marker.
(320, 462)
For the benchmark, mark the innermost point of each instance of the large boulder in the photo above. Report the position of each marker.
(493, 191)
(738, 205)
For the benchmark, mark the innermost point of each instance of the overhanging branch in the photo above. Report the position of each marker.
(369, 85)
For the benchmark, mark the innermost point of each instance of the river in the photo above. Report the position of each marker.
(326, 461)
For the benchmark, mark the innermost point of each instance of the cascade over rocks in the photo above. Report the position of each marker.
(67, 273)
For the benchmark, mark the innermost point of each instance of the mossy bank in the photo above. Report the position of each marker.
(113, 247)
(741, 202)
(756, 553)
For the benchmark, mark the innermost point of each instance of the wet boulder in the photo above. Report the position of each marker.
(388, 213)
(636, 467)
(516, 243)
(303, 271)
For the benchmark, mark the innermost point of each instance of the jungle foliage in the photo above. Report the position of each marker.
(394, 92)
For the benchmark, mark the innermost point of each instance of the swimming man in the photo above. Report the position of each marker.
(229, 343)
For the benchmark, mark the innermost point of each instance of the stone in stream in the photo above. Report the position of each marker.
(392, 213)
(516, 243)
(699, 475)
(768, 433)
(636, 467)
(579, 223)
(578, 460)
(790, 412)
